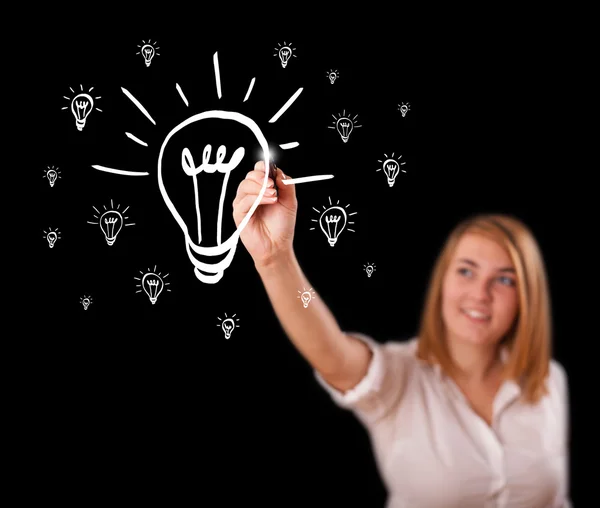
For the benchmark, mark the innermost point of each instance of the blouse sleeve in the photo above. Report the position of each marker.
(563, 499)
(381, 388)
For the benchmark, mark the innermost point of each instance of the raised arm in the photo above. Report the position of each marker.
(340, 359)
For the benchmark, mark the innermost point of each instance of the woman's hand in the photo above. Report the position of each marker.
(270, 231)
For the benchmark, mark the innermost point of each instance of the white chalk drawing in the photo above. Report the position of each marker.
(404, 108)
(85, 301)
(82, 105)
(228, 324)
(284, 53)
(344, 125)
(148, 51)
(209, 273)
(152, 283)
(302, 179)
(52, 174)
(369, 268)
(52, 236)
(111, 221)
(333, 221)
(333, 75)
(391, 168)
(306, 296)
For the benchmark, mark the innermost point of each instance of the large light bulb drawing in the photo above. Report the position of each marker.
(333, 221)
(111, 222)
(51, 237)
(152, 283)
(81, 107)
(176, 167)
(344, 125)
(391, 168)
(212, 272)
(284, 53)
(228, 325)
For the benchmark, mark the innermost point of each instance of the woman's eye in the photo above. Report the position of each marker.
(509, 281)
(463, 270)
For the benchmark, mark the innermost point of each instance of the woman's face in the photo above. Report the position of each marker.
(480, 277)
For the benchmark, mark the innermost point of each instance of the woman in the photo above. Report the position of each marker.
(473, 411)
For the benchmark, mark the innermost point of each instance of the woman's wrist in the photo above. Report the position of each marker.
(275, 263)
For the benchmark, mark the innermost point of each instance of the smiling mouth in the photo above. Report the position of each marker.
(475, 317)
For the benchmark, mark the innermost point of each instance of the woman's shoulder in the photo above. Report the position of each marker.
(558, 379)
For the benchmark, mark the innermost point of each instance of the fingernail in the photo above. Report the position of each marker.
(270, 192)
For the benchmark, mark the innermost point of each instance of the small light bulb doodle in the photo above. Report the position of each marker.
(344, 125)
(111, 222)
(369, 268)
(152, 284)
(333, 75)
(228, 324)
(284, 53)
(391, 167)
(333, 221)
(306, 296)
(52, 236)
(85, 301)
(148, 51)
(52, 174)
(81, 106)
(404, 108)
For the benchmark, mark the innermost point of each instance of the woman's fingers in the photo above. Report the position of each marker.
(242, 206)
(258, 176)
(251, 186)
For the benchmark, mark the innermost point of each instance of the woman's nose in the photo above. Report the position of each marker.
(481, 290)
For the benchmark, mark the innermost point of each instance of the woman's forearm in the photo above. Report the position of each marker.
(313, 330)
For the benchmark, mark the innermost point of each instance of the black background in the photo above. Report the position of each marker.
(150, 401)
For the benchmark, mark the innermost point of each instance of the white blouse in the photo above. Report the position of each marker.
(433, 451)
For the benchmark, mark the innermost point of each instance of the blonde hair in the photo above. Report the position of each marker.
(529, 340)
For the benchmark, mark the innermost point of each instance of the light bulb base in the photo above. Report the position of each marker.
(332, 241)
(80, 124)
(208, 278)
(110, 241)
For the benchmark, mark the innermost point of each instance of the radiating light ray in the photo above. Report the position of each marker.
(137, 103)
(286, 106)
(181, 93)
(137, 140)
(120, 171)
(287, 146)
(249, 89)
(217, 73)
(314, 178)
